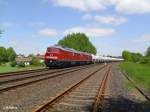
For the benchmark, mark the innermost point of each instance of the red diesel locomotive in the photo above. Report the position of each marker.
(57, 56)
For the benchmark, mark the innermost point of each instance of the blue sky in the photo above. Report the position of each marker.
(30, 26)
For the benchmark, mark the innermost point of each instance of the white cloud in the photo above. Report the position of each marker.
(6, 25)
(82, 5)
(123, 6)
(132, 6)
(87, 17)
(48, 32)
(92, 32)
(26, 24)
(110, 20)
(143, 38)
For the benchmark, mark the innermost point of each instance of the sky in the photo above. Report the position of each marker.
(30, 26)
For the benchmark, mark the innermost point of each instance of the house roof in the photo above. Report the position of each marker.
(23, 59)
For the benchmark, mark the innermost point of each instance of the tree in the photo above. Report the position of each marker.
(136, 57)
(35, 61)
(31, 55)
(21, 64)
(127, 56)
(3, 55)
(78, 41)
(11, 54)
(148, 52)
(145, 60)
(13, 63)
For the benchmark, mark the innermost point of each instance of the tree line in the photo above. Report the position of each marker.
(7, 55)
(78, 41)
(137, 57)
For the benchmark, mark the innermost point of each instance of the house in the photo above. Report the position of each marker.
(40, 57)
(24, 59)
(27, 60)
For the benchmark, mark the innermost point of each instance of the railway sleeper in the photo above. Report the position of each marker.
(72, 107)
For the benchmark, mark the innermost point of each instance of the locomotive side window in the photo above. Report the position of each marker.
(48, 50)
(53, 50)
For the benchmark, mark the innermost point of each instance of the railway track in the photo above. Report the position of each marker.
(11, 83)
(21, 72)
(136, 87)
(12, 74)
(85, 95)
(19, 76)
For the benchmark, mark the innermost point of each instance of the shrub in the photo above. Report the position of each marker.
(13, 63)
(136, 57)
(35, 61)
(42, 64)
(145, 60)
(127, 56)
(21, 64)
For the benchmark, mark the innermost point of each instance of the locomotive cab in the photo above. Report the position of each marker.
(51, 56)
(57, 56)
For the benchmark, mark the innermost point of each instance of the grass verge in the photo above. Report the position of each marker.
(5, 69)
(129, 85)
(138, 72)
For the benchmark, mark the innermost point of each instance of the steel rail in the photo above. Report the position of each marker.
(21, 72)
(32, 76)
(136, 87)
(101, 92)
(25, 72)
(58, 97)
(38, 80)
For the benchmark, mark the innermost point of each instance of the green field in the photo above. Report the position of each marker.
(138, 72)
(4, 69)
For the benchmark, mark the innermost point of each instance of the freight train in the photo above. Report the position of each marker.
(57, 56)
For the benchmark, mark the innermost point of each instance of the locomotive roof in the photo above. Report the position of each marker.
(70, 49)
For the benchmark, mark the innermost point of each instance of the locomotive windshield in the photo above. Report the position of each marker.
(52, 50)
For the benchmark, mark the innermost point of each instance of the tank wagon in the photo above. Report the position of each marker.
(105, 59)
(57, 56)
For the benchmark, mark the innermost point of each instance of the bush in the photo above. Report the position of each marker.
(35, 61)
(145, 60)
(136, 57)
(13, 63)
(42, 64)
(127, 56)
(21, 64)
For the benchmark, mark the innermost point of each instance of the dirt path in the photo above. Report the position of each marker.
(119, 98)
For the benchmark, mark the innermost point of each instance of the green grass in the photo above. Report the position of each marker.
(5, 69)
(129, 85)
(138, 72)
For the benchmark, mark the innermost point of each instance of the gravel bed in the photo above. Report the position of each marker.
(27, 98)
(19, 82)
(119, 98)
(19, 76)
(82, 98)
